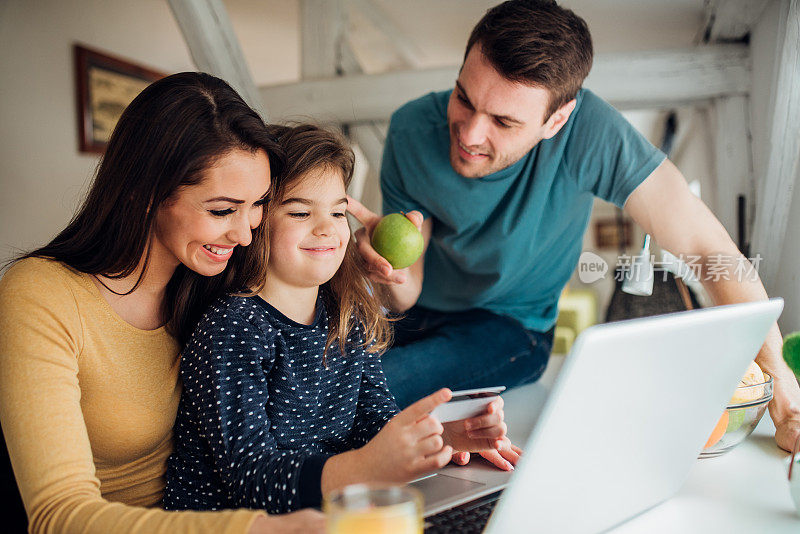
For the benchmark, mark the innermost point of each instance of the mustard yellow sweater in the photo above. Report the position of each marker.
(87, 404)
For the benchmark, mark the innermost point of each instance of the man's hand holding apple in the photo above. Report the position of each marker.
(380, 270)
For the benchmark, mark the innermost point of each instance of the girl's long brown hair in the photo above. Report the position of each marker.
(350, 297)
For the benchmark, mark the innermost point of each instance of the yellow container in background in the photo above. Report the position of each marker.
(577, 311)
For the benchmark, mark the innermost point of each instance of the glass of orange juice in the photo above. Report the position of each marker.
(374, 509)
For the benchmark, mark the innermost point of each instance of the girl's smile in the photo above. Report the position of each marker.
(308, 231)
(320, 251)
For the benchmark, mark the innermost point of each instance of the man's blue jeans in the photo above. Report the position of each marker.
(461, 350)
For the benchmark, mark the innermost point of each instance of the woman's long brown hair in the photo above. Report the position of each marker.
(350, 297)
(166, 138)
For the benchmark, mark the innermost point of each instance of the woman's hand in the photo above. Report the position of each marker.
(485, 434)
(301, 522)
(481, 433)
(504, 458)
(410, 445)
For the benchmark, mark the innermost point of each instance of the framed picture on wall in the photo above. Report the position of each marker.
(613, 233)
(105, 87)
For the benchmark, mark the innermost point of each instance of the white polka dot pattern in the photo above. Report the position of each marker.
(259, 414)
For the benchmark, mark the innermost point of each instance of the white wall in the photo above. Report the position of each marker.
(43, 177)
(268, 31)
(787, 284)
(764, 51)
(439, 29)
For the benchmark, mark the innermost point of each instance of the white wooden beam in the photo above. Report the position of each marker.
(326, 54)
(359, 179)
(214, 47)
(671, 77)
(370, 140)
(348, 62)
(377, 16)
(731, 20)
(321, 26)
(355, 98)
(734, 164)
(783, 166)
(631, 80)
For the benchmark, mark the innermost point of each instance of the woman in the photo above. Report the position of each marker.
(88, 363)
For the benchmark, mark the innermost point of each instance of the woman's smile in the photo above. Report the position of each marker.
(220, 253)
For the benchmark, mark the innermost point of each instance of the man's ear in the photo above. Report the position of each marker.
(558, 119)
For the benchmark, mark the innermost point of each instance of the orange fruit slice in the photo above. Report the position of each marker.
(719, 430)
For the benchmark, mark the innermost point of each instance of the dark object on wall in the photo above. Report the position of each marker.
(741, 225)
(613, 233)
(105, 87)
(14, 517)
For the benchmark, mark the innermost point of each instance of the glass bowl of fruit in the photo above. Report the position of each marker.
(740, 418)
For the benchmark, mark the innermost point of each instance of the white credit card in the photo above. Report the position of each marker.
(467, 403)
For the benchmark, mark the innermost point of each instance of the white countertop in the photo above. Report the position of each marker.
(745, 490)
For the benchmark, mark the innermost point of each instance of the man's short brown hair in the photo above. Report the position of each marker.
(536, 42)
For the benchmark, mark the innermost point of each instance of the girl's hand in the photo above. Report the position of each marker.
(482, 433)
(300, 522)
(410, 445)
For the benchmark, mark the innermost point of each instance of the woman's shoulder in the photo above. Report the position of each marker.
(48, 279)
(38, 294)
(35, 267)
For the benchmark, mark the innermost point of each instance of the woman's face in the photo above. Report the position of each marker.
(200, 225)
(308, 230)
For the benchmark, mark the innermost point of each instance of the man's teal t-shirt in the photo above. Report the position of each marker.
(508, 242)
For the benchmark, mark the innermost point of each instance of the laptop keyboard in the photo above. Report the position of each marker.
(464, 519)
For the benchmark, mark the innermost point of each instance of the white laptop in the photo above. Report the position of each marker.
(630, 411)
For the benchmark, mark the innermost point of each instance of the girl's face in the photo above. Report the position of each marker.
(308, 230)
(201, 224)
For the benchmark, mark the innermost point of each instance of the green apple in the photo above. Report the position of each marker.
(398, 240)
(736, 419)
(791, 352)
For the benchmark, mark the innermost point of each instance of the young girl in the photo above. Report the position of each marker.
(284, 396)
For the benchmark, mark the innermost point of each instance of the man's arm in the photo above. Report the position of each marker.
(402, 286)
(681, 223)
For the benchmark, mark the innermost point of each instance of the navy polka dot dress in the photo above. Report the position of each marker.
(260, 414)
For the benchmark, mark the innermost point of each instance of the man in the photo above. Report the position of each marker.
(499, 175)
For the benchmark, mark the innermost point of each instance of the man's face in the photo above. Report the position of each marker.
(493, 122)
